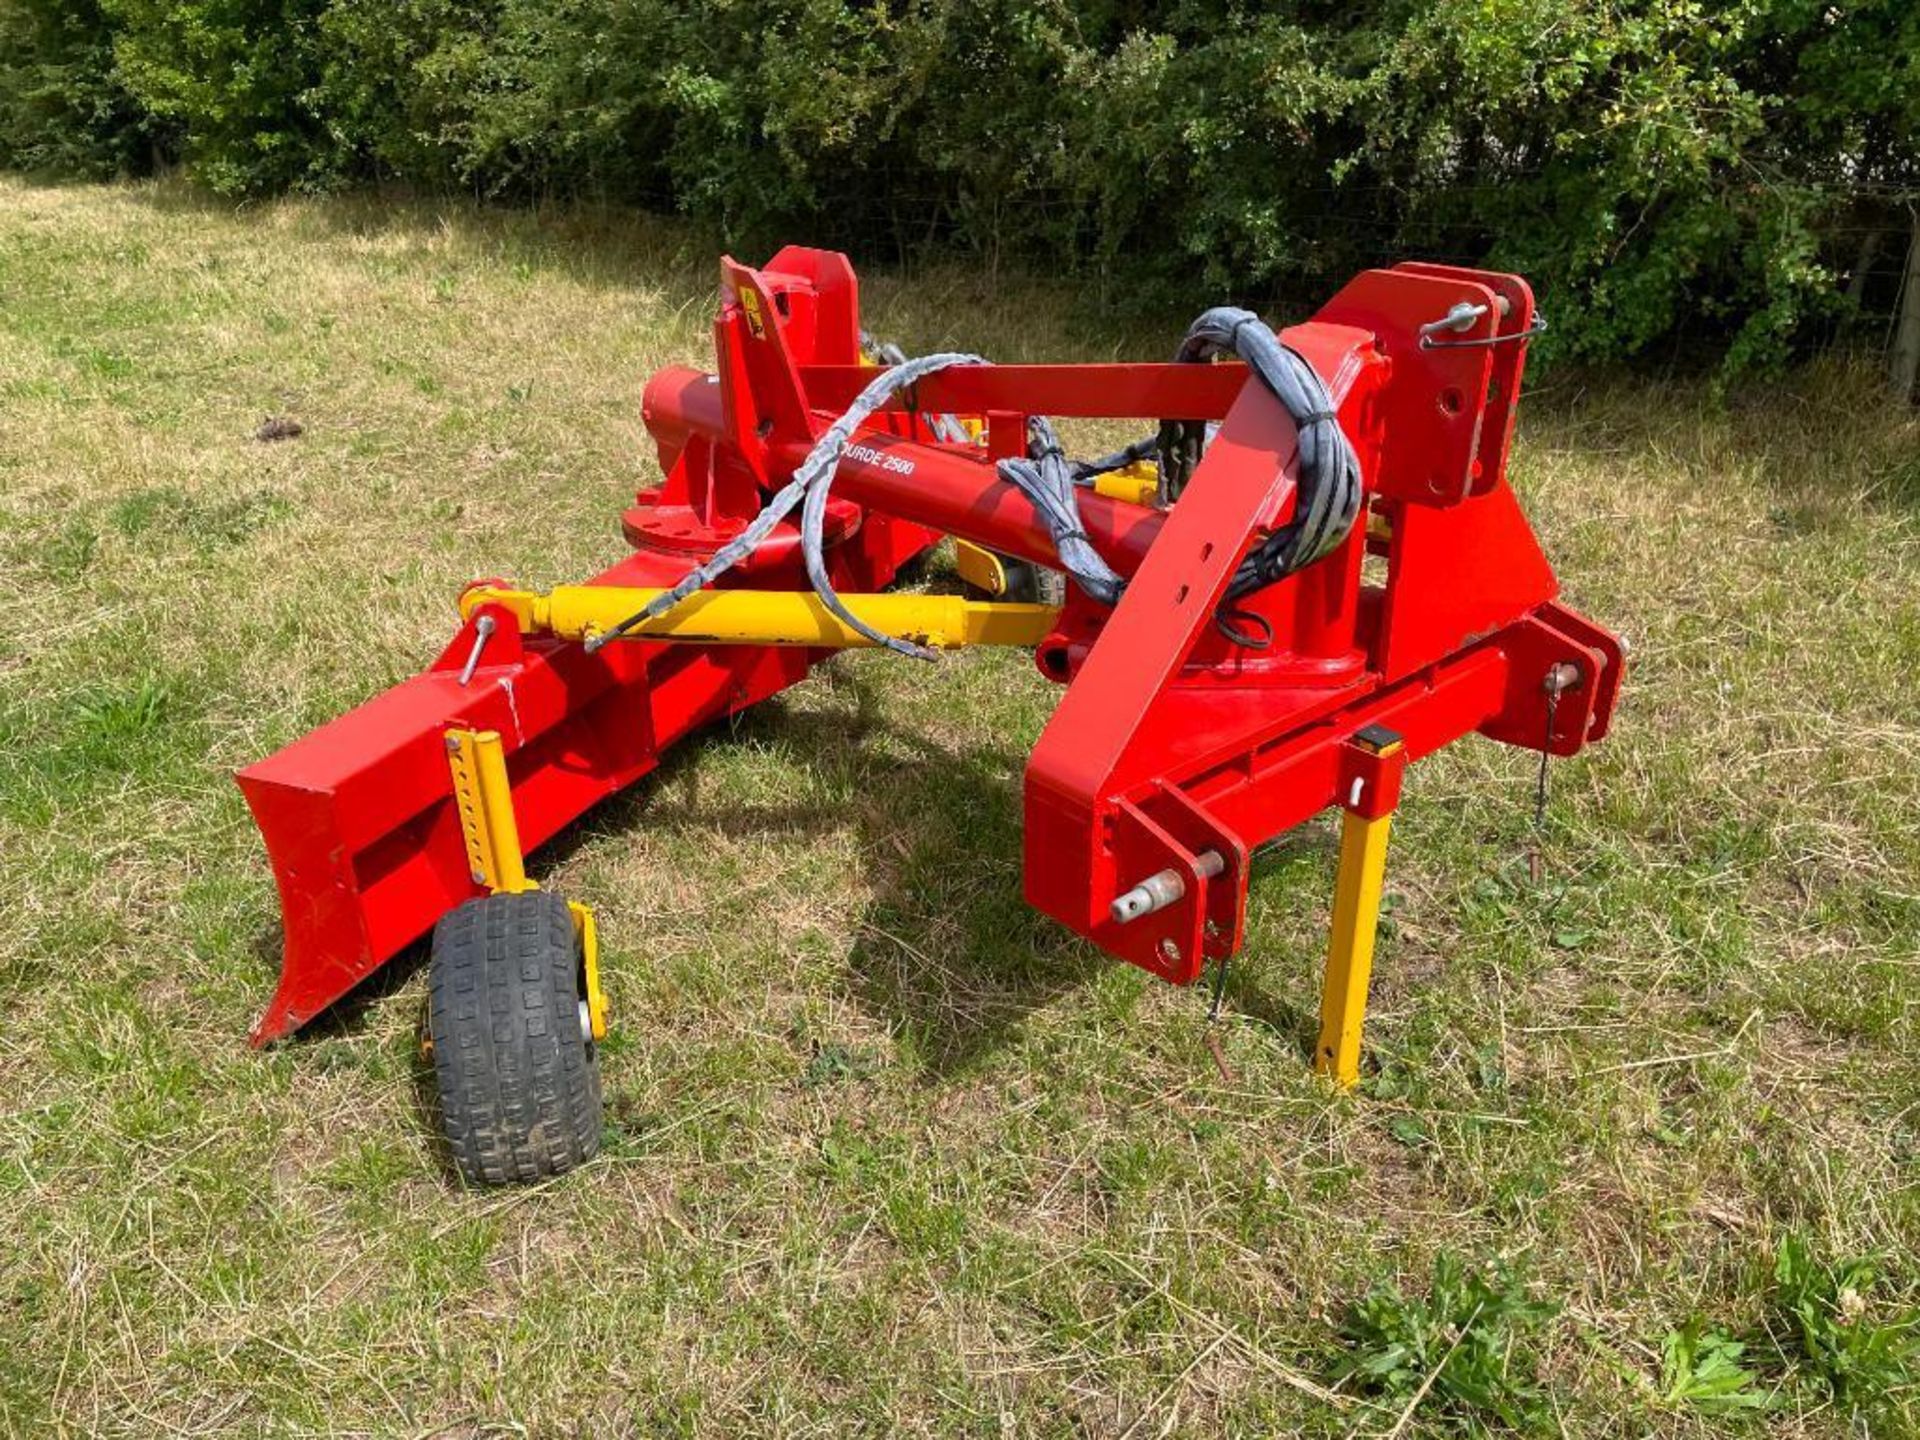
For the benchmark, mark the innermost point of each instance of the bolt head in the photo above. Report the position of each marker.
(1169, 950)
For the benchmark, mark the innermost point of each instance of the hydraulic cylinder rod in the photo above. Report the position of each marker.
(767, 617)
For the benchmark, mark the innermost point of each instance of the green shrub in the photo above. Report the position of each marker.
(233, 79)
(1663, 170)
(62, 104)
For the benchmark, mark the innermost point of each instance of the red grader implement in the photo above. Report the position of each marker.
(1228, 664)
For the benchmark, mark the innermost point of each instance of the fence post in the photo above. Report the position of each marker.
(1903, 358)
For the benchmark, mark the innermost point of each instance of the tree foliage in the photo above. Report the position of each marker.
(63, 106)
(1661, 169)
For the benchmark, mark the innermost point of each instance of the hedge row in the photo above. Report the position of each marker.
(1664, 170)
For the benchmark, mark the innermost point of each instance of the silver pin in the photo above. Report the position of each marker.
(1162, 889)
(1459, 319)
(482, 628)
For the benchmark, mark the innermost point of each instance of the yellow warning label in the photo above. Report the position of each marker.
(750, 303)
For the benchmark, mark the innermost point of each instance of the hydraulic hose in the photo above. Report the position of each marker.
(814, 472)
(1328, 473)
(1325, 508)
(1047, 479)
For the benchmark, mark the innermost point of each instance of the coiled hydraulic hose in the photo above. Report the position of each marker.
(1328, 473)
(1047, 478)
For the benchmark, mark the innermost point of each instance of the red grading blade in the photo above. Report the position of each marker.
(359, 818)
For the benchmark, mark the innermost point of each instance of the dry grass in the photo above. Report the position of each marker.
(887, 1153)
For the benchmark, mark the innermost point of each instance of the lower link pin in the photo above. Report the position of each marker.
(1160, 890)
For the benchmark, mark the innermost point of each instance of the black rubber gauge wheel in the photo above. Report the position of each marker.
(512, 1049)
(1030, 584)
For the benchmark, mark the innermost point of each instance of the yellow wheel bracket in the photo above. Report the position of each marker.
(1377, 759)
(979, 567)
(588, 935)
(483, 795)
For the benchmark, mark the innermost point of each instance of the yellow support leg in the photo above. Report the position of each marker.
(1356, 904)
(1356, 921)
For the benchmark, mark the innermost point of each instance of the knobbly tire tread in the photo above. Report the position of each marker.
(519, 1085)
(1031, 584)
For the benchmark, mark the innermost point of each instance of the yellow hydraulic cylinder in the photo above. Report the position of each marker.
(1138, 483)
(769, 617)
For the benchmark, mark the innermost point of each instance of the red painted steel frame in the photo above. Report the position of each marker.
(1169, 741)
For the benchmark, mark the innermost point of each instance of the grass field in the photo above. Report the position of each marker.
(887, 1153)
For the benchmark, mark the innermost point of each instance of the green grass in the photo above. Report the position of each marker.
(886, 1152)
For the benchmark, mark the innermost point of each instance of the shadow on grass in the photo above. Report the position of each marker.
(348, 1015)
(936, 299)
(945, 952)
(604, 247)
(351, 1015)
(1820, 443)
(1245, 996)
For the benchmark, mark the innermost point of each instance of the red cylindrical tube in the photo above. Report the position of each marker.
(929, 485)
